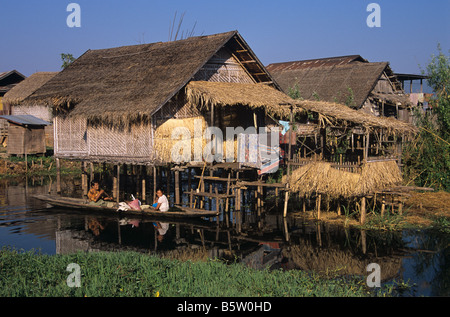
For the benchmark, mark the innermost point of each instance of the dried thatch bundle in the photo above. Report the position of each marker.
(164, 143)
(322, 178)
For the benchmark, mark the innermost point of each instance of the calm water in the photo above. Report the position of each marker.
(420, 257)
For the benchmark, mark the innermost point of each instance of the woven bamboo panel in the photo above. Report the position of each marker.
(70, 136)
(135, 142)
(41, 112)
(223, 67)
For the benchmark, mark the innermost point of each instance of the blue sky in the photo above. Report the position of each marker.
(35, 33)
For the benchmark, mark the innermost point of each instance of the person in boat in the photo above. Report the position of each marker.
(98, 196)
(161, 202)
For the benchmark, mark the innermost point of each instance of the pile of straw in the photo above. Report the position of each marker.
(164, 144)
(322, 178)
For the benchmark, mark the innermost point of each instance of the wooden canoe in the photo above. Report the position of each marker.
(78, 203)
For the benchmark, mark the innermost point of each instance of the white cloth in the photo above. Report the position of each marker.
(164, 203)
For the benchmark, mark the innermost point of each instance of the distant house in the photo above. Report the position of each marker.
(26, 135)
(7, 81)
(13, 101)
(349, 80)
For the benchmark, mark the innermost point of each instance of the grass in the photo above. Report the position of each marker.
(126, 274)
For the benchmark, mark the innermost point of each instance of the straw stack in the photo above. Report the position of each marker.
(322, 178)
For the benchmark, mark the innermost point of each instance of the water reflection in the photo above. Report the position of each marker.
(269, 241)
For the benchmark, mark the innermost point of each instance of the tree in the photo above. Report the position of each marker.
(67, 59)
(427, 157)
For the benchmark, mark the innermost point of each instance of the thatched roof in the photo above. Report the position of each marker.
(26, 87)
(317, 62)
(203, 94)
(129, 82)
(338, 114)
(330, 79)
(9, 79)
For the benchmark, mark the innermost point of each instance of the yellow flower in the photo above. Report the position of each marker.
(157, 294)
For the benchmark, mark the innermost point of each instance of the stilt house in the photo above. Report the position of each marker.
(120, 105)
(349, 80)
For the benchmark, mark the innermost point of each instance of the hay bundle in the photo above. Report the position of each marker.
(169, 149)
(164, 143)
(322, 178)
(377, 176)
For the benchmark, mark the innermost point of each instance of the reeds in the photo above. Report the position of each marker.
(130, 274)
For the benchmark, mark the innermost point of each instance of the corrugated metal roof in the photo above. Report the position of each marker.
(25, 120)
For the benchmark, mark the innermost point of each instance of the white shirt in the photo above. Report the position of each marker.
(164, 203)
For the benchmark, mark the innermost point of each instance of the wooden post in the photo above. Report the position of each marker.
(143, 175)
(115, 184)
(91, 171)
(177, 187)
(383, 205)
(319, 198)
(118, 183)
(339, 208)
(286, 199)
(154, 183)
(217, 204)
(58, 176)
(363, 210)
(191, 199)
(290, 137)
(83, 178)
(366, 146)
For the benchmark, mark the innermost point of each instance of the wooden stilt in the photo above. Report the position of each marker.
(177, 187)
(363, 210)
(143, 189)
(319, 198)
(217, 204)
(91, 172)
(154, 183)
(286, 199)
(58, 176)
(383, 205)
(115, 183)
(118, 183)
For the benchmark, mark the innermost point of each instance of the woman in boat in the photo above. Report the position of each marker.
(161, 202)
(96, 196)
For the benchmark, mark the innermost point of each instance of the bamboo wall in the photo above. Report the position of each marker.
(23, 140)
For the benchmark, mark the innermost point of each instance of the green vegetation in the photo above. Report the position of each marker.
(134, 274)
(67, 59)
(427, 158)
(35, 166)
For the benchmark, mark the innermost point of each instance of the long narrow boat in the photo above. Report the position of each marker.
(78, 203)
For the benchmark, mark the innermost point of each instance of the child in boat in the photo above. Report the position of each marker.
(96, 196)
(161, 203)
